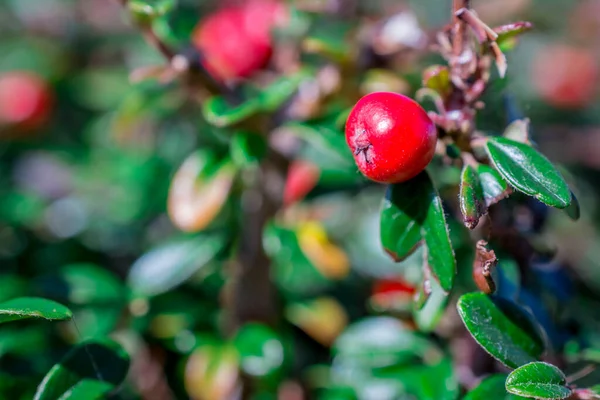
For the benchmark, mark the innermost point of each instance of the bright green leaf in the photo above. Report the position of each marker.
(430, 314)
(502, 328)
(403, 213)
(472, 201)
(87, 389)
(247, 148)
(169, 265)
(261, 350)
(491, 388)
(529, 171)
(96, 360)
(219, 112)
(540, 380)
(33, 307)
(440, 255)
(493, 186)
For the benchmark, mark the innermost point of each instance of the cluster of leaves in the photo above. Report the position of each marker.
(180, 181)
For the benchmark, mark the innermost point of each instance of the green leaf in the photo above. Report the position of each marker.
(540, 380)
(493, 186)
(430, 314)
(529, 171)
(411, 211)
(508, 33)
(281, 90)
(440, 255)
(293, 272)
(502, 328)
(472, 201)
(91, 284)
(247, 148)
(169, 265)
(378, 342)
(491, 388)
(403, 212)
(219, 112)
(33, 307)
(145, 11)
(87, 389)
(437, 77)
(100, 360)
(261, 351)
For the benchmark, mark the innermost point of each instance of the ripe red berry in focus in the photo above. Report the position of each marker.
(25, 100)
(302, 177)
(391, 136)
(236, 41)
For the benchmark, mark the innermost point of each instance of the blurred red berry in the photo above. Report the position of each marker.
(25, 100)
(391, 136)
(302, 177)
(236, 41)
(565, 76)
(393, 287)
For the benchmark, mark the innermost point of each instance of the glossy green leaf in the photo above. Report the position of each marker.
(99, 360)
(529, 171)
(281, 90)
(472, 200)
(171, 264)
(540, 380)
(491, 388)
(261, 350)
(502, 328)
(380, 342)
(411, 211)
(219, 112)
(293, 272)
(440, 254)
(430, 314)
(247, 148)
(426, 382)
(403, 213)
(87, 389)
(494, 187)
(33, 307)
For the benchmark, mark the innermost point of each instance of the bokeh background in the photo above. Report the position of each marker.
(83, 196)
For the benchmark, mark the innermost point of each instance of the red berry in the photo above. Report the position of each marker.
(565, 76)
(391, 136)
(25, 100)
(302, 177)
(393, 287)
(236, 41)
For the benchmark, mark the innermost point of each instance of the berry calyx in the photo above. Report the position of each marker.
(391, 137)
(25, 100)
(236, 41)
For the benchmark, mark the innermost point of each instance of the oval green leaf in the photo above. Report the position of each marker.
(490, 388)
(403, 212)
(87, 389)
(529, 171)
(261, 350)
(171, 264)
(540, 380)
(99, 360)
(502, 328)
(219, 112)
(493, 186)
(440, 254)
(33, 307)
(472, 201)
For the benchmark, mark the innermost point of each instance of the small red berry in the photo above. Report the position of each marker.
(566, 76)
(391, 136)
(25, 100)
(236, 41)
(302, 177)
